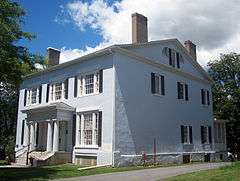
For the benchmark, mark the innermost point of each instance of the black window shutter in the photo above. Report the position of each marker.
(162, 85)
(203, 96)
(190, 134)
(153, 83)
(40, 95)
(170, 56)
(182, 133)
(25, 97)
(22, 135)
(210, 134)
(178, 89)
(202, 135)
(178, 61)
(186, 92)
(101, 81)
(100, 128)
(47, 94)
(208, 99)
(37, 134)
(75, 86)
(66, 89)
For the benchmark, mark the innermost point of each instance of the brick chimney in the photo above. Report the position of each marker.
(53, 56)
(191, 48)
(139, 28)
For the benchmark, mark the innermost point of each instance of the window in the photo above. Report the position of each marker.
(88, 84)
(157, 84)
(174, 57)
(33, 96)
(186, 134)
(22, 135)
(58, 91)
(90, 128)
(182, 91)
(205, 97)
(206, 134)
(219, 132)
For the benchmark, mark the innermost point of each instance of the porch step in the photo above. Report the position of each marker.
(21, 160)
(41, 155)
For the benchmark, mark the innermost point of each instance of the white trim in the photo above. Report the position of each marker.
(87, 109)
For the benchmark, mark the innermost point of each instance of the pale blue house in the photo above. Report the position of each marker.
(106, 108)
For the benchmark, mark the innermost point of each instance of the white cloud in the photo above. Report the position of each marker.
(212, 25)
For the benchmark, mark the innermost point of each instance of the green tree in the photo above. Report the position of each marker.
(226, 96)
(15, 61)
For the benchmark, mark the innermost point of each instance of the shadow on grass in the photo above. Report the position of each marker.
(40, 173)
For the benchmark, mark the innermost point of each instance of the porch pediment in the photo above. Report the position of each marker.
(54, 111)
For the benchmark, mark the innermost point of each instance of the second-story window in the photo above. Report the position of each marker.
(157, 84)
(205, 97)
(89, 84)
(86, 84)
(182, 91)
(58, 91)
(34, 96)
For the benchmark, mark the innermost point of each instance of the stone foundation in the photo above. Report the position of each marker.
(130, 160)
(85, 160)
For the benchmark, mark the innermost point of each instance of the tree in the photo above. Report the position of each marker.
(15, 61)
(226, 96)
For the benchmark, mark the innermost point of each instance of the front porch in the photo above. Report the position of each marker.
(49, 130)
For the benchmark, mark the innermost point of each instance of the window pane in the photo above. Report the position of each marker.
(185, 134)
(157, 84)
(58, 91)
(34, 96)
(89, 83)
(88, 129)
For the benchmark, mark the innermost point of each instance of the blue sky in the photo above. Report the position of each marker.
(86, 26)
(39, 20)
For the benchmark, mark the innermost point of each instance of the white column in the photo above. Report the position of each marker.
(26, 134)
(93, 128)
(82, 128)
(32, 136)
(56, 136)
(77, 139)
(49, 137)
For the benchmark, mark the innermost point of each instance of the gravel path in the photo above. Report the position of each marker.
(148, 174)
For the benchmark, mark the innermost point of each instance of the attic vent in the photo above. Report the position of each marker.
(174, 57)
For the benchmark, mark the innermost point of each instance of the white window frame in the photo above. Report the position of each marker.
(52, 92)
(205, 98)
(29, 96)
(81, 89)
(188, 141)
(184, 91)
(158, 89)
(94, 129)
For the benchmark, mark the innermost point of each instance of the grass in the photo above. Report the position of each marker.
(227, 173)
(60, 171)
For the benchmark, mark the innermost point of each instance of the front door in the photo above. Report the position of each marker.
(63, 132)
(42, 136)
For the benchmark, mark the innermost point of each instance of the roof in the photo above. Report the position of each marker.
(55, 105)
(121, 48)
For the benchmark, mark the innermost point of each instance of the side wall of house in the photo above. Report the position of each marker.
(142, 116)
(103, 101)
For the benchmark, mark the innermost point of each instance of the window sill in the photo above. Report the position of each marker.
(159, 95)
(87, 147)
(86, 95)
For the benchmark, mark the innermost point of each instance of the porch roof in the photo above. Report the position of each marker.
(53, 111)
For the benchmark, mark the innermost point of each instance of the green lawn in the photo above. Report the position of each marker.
(227, 173)
(60, 171)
